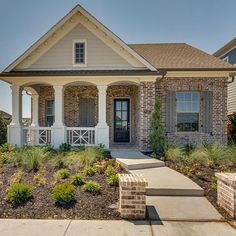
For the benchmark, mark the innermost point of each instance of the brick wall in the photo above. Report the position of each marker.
(72, 96)
(219, 116)
(146, 105)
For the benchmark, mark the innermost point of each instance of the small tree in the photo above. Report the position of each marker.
(232, 128)
(157, 136)
(3, 130)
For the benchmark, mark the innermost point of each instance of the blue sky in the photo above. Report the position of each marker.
(205, 24)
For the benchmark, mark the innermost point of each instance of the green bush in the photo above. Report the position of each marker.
(92, 187)
(90, 171)
(3, 130)
(57, 161)
(175, 154)
(99, 168)
(110, 171)
(18, 194)
(62, 174)
(29, 158)
(113, 180)
(77, 179)
(65, 147)
(63, 194)
(157, 136)
(6, 147)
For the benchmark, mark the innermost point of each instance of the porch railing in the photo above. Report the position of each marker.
(37, 136)
(81, 136)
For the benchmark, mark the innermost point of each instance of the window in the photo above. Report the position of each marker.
(79, 53)
(225, 59)
(49, 112)
(87, 112)
(187, 109)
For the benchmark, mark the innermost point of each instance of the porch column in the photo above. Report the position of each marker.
(15, 127)
(102, 129)
(58, 128)
(35, 108)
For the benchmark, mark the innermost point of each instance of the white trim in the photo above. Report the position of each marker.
(85, 53)
(225, 59)
(78, 9)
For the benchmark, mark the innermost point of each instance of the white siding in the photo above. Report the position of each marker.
(99, 55)
(232, 97)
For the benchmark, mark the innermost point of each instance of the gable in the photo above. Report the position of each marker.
(231, 56)
(67, 24)
(99, 55)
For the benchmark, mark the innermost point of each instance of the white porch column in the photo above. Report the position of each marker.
(102, 129)
(59, 130)
(35, 113)
(15, 127)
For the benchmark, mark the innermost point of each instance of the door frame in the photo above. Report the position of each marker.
(130, 119)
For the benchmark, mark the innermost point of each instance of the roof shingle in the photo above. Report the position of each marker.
(178, 56)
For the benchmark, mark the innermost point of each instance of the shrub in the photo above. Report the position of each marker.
(65, 147)
(157, 136)
(57, 161)
(77, 179)
(90, 171)
(99, 168)
(3, 130)
(39, 178)
(63, 194)
(175, 154)
(6, 147)
(18, 194)
(61, 174)
(232, 120)
(110, 171)
(113, 180)
(92, 187)
(29, 158)
(213, 183)
(16, 177)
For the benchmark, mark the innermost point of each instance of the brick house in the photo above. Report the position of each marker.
(89, 87)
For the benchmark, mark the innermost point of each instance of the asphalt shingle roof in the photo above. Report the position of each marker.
(178, 56)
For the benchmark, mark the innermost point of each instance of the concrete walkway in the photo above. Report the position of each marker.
(175, 204)
(134, 160)
(114, 228)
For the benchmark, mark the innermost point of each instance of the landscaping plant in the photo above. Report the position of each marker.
(157, 136)
(18, 194)
(77, 179)
(110, 171)
(113, 180)
(63, 194)
(3, 130)
(89, 170)
(92, 187)
(62, 174)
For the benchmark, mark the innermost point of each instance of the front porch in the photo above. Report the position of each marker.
(78, 113)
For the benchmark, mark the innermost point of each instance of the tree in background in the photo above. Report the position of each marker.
(157, 136)
(3, 130)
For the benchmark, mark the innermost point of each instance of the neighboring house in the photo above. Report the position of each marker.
(89, 87)
(227, 53)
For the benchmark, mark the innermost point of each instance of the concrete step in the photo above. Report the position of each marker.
(134, 159)
(163, 181)
(181, 209)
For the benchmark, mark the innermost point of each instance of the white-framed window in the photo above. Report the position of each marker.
(226, 59)
(80, 53)
(187, 111)
(50, 112)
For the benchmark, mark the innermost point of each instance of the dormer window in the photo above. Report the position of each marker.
(79, 53)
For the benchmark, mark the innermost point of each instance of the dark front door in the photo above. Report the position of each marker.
(121, 120)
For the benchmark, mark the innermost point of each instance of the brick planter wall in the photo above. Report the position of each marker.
(226, 192)
(132, 196)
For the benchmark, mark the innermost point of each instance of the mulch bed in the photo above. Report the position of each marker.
(205, 182)
(87, 206)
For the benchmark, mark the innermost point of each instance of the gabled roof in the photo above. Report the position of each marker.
(179, 56)
(226, 48)
(106, 31)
